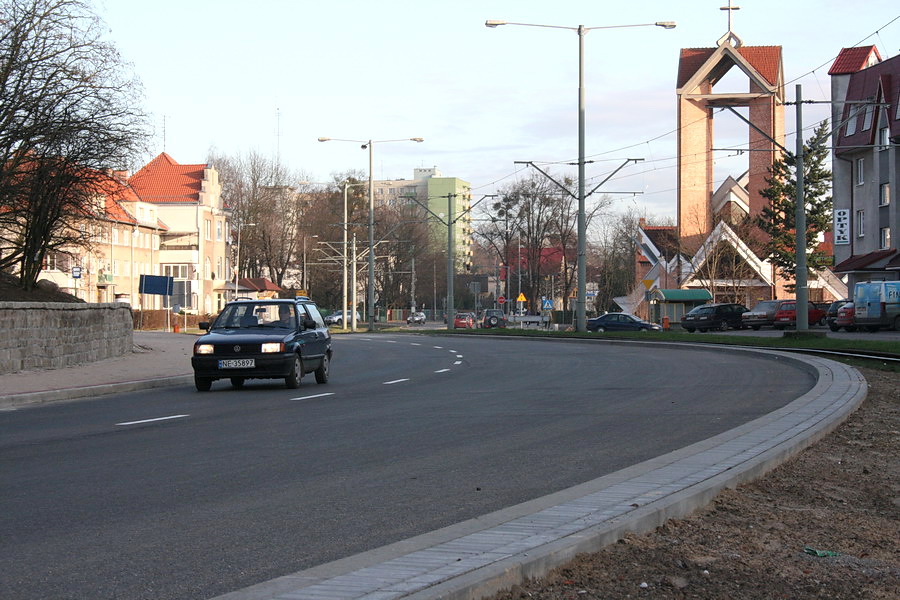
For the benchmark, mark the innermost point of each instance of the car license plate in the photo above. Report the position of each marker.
(237, 363)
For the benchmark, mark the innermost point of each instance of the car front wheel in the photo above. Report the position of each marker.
(292, 381)
(322, 371)
(690, 329)
(203, 384)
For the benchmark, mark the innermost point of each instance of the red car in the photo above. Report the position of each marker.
(846, 317)
(464, 321)
(786, 315)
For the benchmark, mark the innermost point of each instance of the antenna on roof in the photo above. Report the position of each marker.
(277, 136)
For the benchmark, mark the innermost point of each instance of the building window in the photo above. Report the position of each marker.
(884, 238)
(208, 229)
(867, 117)
(218, 231)
(860, 223)
(176, 271)
(851, 119)
(884, 197)
(884, 138)
(860, 171)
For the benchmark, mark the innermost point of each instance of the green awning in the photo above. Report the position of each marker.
(682, 295)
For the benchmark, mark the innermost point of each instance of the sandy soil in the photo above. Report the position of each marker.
(824, 525)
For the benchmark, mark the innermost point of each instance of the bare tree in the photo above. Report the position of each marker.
(69, 111)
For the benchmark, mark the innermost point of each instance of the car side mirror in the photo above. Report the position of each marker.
(204, 325)
(309, 324)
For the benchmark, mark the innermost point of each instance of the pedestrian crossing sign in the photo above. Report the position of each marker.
(547, 304)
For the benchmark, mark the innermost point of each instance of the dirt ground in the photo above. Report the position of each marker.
(824, 525)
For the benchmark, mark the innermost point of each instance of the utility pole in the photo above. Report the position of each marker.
(802, 291)
(413, 286)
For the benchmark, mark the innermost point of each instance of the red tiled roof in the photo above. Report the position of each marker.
(259, 284)
(163, 180)
(860, 262)
(765, 59)
(851, 60)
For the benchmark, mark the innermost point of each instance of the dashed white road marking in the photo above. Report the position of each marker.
(153, 420)
(314, 396)
(395, 381)
(458, 362)
(442, 370)
(459, 356)
(439, 347)
(415, 344)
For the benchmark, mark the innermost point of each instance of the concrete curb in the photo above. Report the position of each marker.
(77, 393)
(485, 555)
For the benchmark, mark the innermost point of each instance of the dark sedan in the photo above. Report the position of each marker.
(620, 322)
(716, 317)
(263, 339)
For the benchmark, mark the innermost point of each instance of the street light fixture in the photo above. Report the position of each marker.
(369, 144)
(581, 30)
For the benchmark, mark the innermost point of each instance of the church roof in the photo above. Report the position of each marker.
(765, 59)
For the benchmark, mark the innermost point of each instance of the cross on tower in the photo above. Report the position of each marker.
(730, 36)
(730, 9)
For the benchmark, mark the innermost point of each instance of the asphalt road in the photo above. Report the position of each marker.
(178, 494)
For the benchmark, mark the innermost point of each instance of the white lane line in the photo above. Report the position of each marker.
(458, 362)
(391, 341)
(453, 351)
(153, 420)
(314, 396)
(439, 347)
(395, 381)
(415, 344)
(459, 356)
(442, 370)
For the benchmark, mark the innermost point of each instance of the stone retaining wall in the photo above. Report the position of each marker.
(52, 335)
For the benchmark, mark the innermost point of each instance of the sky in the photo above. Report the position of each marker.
(272, 76)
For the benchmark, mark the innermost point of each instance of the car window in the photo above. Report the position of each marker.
(314, 314)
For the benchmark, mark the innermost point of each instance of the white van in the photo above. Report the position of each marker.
(877, 304)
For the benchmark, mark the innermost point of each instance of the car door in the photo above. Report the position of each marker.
(315, 338)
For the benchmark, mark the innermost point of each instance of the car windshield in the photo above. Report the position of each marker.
(704, 310)
(767, 305)
(247, 315)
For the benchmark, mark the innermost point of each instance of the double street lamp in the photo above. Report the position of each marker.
(369, 144)
(581, 30)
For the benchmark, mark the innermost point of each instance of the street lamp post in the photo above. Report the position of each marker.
(581, 30)
(369, 144)
(237, 265)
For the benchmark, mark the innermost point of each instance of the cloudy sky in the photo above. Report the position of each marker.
(273, 76)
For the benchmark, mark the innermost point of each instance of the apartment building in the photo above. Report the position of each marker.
(124, 244)
(865, 90)
(195, 249)
(443, 196)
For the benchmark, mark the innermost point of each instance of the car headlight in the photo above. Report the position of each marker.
(270, 347)
(203, 349)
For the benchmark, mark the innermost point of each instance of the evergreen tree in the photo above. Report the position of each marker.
(778, 218)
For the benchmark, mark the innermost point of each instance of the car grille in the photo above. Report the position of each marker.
(236, 349)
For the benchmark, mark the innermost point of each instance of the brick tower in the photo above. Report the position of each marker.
(699, 70)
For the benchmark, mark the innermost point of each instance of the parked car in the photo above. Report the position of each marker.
(416, 318)
(717, 317)
(493, 317)
(763, 314)
(263, 339)
(620, 322)
(786, 315)
(831, 313)
(337, 318)
(846, 317)
(464, 320)
(877, 304)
